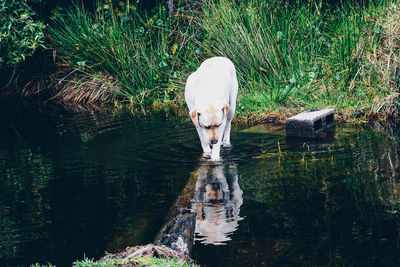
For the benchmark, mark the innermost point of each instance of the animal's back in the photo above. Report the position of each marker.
(212, 80)
(217, 62)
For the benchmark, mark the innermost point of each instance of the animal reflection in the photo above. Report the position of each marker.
(216, 202)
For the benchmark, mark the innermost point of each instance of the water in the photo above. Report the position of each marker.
(81, 183)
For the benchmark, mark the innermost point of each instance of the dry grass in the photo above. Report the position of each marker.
(149, 250)
(89, 89)
(383, 59)
(148, 255)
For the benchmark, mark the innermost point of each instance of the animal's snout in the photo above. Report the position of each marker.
(213, 141)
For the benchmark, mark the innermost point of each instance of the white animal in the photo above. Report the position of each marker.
(210, 95)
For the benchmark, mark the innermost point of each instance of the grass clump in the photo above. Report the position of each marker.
(293, 57)
(380, 65)
(118, 54)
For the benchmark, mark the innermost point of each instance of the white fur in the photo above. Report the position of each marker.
(210, 91)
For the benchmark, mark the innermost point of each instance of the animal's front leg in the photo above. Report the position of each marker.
(215, 151)
(204, 144)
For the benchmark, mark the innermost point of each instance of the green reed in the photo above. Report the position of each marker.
(297, 56)
(129, 53)
(290, 55)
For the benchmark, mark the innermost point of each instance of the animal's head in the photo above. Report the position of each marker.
(211, 120)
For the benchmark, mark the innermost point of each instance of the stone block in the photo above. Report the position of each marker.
(310, 123)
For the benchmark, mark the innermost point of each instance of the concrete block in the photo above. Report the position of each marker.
(310, 123)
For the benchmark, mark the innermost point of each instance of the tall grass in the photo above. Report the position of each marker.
(290, 55)
(126, 55)
(274, 49)
(301, 56)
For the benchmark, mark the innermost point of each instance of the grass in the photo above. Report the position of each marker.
(123, 54)
(295, 58)
(290, 55)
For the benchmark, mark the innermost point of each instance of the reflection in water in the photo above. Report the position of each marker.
(217, 202)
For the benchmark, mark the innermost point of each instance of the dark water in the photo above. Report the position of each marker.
(81, 183)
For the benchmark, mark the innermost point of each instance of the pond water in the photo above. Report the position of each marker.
(75, 184)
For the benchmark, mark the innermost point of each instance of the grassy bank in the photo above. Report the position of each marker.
(137, 261)
(289, 56)
(143, 256)
(310, 56)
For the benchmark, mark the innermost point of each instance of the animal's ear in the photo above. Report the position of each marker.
(226, 110)
(194, 117)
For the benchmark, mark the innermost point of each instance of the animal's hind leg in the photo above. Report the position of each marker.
(226, 142)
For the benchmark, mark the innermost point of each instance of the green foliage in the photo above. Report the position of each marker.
(20, 35)
(273, 47)
(291, 58)
(133, 49)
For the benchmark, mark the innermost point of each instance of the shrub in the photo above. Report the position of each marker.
(20, 34)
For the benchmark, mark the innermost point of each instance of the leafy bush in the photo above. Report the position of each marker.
(20, 35)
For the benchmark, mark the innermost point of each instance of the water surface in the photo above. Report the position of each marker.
(82, 183)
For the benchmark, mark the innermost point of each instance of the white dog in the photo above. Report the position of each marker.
(210, 95)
